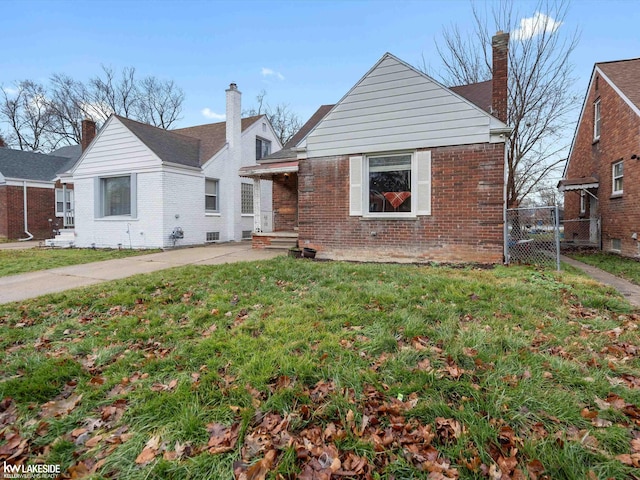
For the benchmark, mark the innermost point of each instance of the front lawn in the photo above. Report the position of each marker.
(13, 262)
(314, 370)
(627, 268)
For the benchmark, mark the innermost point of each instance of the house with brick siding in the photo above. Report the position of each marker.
(139, 186)
(30, 203)
(402, 168)
(602, 175)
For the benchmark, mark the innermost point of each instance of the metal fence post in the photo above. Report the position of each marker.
(557, 231)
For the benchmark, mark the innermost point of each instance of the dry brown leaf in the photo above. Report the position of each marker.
(59, 408)
(146, 456)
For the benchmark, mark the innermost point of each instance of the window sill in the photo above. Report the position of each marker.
(616, 195)
(115, 218)
(390, 217)
(212, 214)
(247, 215)
(595, 140)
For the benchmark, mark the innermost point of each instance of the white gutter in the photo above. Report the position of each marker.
(26, 226)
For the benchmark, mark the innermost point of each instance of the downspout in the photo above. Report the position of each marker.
(26, 226)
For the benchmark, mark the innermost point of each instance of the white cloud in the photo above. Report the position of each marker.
(207, 112)
(11, 91)
(267, 72)
(532, 26)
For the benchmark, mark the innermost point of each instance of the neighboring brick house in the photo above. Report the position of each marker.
(602, 176)
(401, 168)
(139, 186)
(28, 180)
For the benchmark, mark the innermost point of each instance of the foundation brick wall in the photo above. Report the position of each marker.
(619, 139)
(465, 225)
(40, 208)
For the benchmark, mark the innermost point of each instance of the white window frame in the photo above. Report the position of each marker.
(617, 176)
(263, 141)
(99, 204)
(216, 195)
(597, 120)
(583, 202)
(413, 186)
(69, 200)
(246, 189)
(615, 248)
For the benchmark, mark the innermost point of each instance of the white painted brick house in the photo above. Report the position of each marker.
(137, 185)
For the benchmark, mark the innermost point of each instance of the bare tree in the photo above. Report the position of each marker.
(541, 83)
(284, 121)
(159, 103)
(68, 106)
(26, 112)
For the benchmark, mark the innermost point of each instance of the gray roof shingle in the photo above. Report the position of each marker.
(30, 166)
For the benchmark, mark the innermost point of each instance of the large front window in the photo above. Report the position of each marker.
(390, 183)
(116, 196)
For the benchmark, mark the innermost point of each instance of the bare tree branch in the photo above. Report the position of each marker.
(541, 93)
(284, 121)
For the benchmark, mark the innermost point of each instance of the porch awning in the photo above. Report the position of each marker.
(583, 183)
(267, 170)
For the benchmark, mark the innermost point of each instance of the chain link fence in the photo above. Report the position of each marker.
(533, 236)
(581, 232)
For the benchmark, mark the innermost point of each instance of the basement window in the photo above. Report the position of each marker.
(247, 234)
(213, 236)
(616, 244)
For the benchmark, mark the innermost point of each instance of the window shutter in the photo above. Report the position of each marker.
(355, 186)
(423, 175)
(134, 195)
(97, 198)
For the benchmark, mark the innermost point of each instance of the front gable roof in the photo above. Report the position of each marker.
(18, 164)
(396, 106)
(168, 145)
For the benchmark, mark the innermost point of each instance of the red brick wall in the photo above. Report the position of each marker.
(619, 140)
(466, 221)
(40, 208)
(285, 202)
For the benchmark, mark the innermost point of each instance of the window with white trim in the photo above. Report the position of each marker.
(617, 173)
(596, 119)
(583, 202)
(246, 199)
(68, 198)
(616, 244)
(263, 148)
(116, 197)
(390, 184)
(211, 195)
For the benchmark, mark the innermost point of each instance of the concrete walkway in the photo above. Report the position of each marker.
(30, 285)
(627, 289)
(20, 245)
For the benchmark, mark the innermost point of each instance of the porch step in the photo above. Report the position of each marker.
(283, 243)
(64, 239)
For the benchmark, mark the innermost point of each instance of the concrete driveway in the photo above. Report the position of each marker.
(30, 285)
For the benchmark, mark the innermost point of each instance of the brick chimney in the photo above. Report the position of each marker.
(499, 95)
(88, 133)
(234, 128)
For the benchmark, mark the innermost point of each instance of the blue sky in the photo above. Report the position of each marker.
(303, 53)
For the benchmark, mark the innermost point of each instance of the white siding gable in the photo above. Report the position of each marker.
(395, 107)
(115, 149)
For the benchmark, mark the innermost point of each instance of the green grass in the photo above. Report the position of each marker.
(404, 369)
(627, 268)
(13, 262)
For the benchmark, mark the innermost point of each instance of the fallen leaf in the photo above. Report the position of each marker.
(60, 407)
